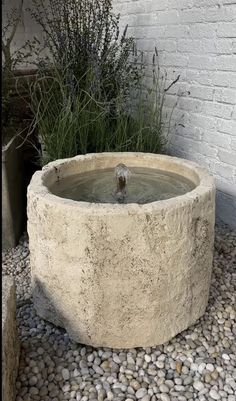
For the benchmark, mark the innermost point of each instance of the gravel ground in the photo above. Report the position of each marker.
(199, 364)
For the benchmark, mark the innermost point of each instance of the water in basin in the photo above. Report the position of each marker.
(144, 185)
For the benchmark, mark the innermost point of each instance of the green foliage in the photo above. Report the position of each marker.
(94, 99)
(83, 37)
(70, 124)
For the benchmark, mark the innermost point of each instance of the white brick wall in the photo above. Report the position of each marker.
(196, 39)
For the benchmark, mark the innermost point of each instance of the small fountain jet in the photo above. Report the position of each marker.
(122, 173)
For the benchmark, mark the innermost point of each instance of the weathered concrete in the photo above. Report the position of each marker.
(10, 342)
(12, 194)
(121, 275)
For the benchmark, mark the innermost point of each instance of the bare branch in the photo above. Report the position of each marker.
(172, 83)
(14, 27)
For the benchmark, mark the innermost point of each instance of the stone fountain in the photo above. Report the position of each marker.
(121, 246)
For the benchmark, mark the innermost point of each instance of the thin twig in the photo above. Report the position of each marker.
(172, 83)
(9, 40)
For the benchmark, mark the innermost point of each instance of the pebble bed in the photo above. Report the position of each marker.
(199, 364)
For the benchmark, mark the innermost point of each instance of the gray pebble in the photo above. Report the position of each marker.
(214, 394)
(140, 393)
(164, 388)
(65, 374)
(198, 385)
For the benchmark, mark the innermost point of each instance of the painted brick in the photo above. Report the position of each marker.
(213, 14)
(234, 113)
(217, 139)
(177, 31)
(226, 30)
(202, 160)
(199, 77)
(167, 45)
(146, 45)
(209, 151)
(172, 73)
(186, 144)
(225, 95)
(143, 19)
(191, 105)
(136, 7)
(232, 79)
(227, 126)
(217, 110)
(228, 157)
(226, 63)
(227, 187)
(234, 45)
(170, 100)
(154, 5)
(167, 17)
(183, 4)
(178, 60)
(194, 46)
(224, 170)
(200, 30)
(202, 62)
(179, 4)
(233, 144)
(224, 46)
(154, 32)
(224, 79)
(201, 92)
(221, 78)
(201, 121)
(226, 207)
(189, 131)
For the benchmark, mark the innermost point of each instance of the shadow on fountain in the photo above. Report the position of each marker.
(46, 306)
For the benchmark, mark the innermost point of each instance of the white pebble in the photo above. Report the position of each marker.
(198, 385)
(164, 397)
(214, 394)
(226, 357)
(164, 388)
(210, 367)
(140, 393)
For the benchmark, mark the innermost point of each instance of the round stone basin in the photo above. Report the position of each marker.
(121, 275)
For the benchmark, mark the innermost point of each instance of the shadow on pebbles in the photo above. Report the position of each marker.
(198, 364)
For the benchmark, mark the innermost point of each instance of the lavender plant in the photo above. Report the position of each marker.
(86, 102)
(84, 37)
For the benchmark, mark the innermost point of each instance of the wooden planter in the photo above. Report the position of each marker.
(14, 174)
(12, 193)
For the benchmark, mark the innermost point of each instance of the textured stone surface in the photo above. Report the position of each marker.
(10, 342)
(121, 275)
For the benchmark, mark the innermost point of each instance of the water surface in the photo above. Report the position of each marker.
(145, 185)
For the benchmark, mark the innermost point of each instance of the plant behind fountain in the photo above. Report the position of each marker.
(83, 97)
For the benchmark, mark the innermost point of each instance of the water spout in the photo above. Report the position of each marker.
(122, 173)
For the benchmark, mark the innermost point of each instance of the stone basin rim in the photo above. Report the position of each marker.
(206, 183)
